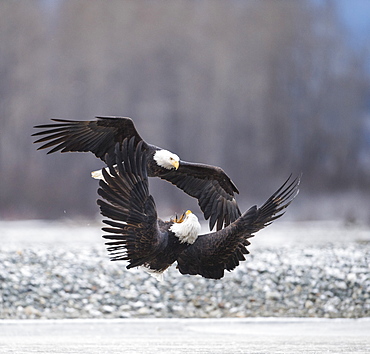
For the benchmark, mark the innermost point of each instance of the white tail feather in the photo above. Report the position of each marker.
(98, 174)
(154, 273)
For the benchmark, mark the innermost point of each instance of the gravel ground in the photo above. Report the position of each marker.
(53, 282)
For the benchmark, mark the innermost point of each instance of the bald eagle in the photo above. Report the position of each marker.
(139, 237)
(209, 184)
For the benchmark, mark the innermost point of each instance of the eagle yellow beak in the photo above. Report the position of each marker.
(175, 164)
(182, 217)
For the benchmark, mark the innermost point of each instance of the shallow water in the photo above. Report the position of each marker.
(258, 335)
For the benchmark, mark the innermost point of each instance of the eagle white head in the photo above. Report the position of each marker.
(166, 159)
(186, 228)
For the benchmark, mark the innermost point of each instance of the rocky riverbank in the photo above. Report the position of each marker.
(51, 282)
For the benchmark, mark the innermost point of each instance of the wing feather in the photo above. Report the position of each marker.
(133, 228)
(212, 253)
(99, 136)
(211, 186)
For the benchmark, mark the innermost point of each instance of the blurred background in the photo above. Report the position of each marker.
(260, 88)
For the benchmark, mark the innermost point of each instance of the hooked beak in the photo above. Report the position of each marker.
(182, 217)
(175, 164)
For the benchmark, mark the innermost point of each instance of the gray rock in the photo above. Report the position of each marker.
(55, 283)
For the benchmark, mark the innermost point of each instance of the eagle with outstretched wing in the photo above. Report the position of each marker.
(212, 187)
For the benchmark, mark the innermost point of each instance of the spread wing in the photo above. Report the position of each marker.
(212, 253)
(133, 229)
(209, 184)
(212, 187)
(99, 136)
